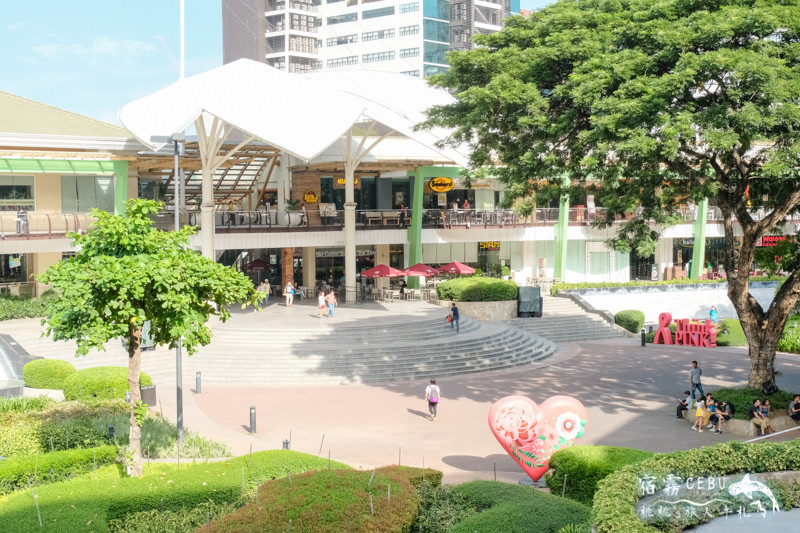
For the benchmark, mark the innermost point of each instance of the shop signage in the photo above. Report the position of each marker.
(489, 246)
(701, 499)
(772, 240)
(442, 184)
(340, 253)
(343, 181)
(688, 333)
(310, 197)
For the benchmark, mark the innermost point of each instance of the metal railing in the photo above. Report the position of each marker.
(42, 226)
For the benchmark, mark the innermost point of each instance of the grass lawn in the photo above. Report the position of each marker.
(89, 502)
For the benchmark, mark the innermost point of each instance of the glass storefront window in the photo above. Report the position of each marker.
(16, 192)
(13, 268)
(401, 192)
(396, 256)
(80, 194)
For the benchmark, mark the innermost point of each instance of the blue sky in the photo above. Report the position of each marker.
(94, 56)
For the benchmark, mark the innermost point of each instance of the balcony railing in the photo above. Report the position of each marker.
(42, 226)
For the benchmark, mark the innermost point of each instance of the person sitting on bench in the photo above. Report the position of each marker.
(794, 408)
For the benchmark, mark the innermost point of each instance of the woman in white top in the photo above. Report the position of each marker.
(321, 302)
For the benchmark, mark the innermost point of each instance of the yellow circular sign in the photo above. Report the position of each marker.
(442, 184)
(310, 197)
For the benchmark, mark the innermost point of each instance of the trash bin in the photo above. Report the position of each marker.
(148, 394)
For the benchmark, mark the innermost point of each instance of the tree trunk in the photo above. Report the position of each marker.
(134, 366)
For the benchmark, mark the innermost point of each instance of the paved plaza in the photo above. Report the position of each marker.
(629, 391)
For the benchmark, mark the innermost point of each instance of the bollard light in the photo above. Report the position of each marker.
(644, 342)
(198, 383)
(285, 444)
(127, 396)
(252, 419)
(111, 433)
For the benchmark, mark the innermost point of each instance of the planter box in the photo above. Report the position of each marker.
(485, 310)
(745, 427)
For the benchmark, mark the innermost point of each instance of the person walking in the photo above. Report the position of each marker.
(432, 397)
(331, 300)
(694, 379)
(321, 303)
(288, 292)
(267, 290)
(454, 317)
(713, 314)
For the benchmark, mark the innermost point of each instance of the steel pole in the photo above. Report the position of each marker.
(178, 361)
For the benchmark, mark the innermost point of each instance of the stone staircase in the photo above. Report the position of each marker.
(380, 351)
(565, 321)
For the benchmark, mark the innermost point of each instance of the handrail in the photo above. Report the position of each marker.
(34, 225)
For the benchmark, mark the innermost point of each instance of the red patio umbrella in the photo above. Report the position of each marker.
(257, 264)
(456, 268)
(420, 270)
(381, 271)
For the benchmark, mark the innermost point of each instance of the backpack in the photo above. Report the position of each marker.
(733, 408)
(433, 397)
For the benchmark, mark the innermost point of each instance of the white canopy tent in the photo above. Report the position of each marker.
(300, 114)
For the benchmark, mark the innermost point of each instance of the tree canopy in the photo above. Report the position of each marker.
(125, 273)
(649, 104)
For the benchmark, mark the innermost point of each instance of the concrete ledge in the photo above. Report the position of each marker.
(485, 310)
(745, 427)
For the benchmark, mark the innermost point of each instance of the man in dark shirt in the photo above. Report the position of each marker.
(794, 408)
(754, 415)
(723, 414)
(454, 317)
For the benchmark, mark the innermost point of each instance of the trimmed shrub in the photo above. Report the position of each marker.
(477, 290)
(508, 508)
(735, 335)
(584, 466)
(51, 467)
(19, 439)
(331, 501)
(56, 436)
(631, 319)
(790, 340)
(179, 521)
(440, 507)
(681, 281)
(24, 306)
(107, 496)
(613, 509)
(101, 382)
(47, 373)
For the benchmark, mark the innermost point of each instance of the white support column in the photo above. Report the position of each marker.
(382, 258)
(310, 269)
(663, 255)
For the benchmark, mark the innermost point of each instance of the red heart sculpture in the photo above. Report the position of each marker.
(531, 433)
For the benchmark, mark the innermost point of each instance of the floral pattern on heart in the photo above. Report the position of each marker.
(531, 433)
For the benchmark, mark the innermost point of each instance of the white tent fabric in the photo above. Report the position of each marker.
(302, 114)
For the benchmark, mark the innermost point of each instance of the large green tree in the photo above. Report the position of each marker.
(652, 104)
(126, 273)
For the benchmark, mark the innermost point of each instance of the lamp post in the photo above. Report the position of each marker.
(179, 142)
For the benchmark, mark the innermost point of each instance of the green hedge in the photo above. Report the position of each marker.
(104, 496)
(47, 373)
(515, 508)
(682, 281)
(584, 466)
(23, 404)
(101, 382)
(330, 501)
(24, 306)
(630, 319)
(477, 290)
(743, 398)
(51, 467)
(613, 509)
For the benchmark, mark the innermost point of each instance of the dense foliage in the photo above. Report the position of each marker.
(563, 286)
(16, 473)
(24, 306)
(630, 319)
(648, 107)
(127, 273)
(584, 466)
(332, 501)
(47, 373)
(100, 497)
(477, 290)
(743, 398)
(101, 382)
(516, 509)
(613, 509)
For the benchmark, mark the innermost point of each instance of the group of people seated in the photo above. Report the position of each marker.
(711, 413)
